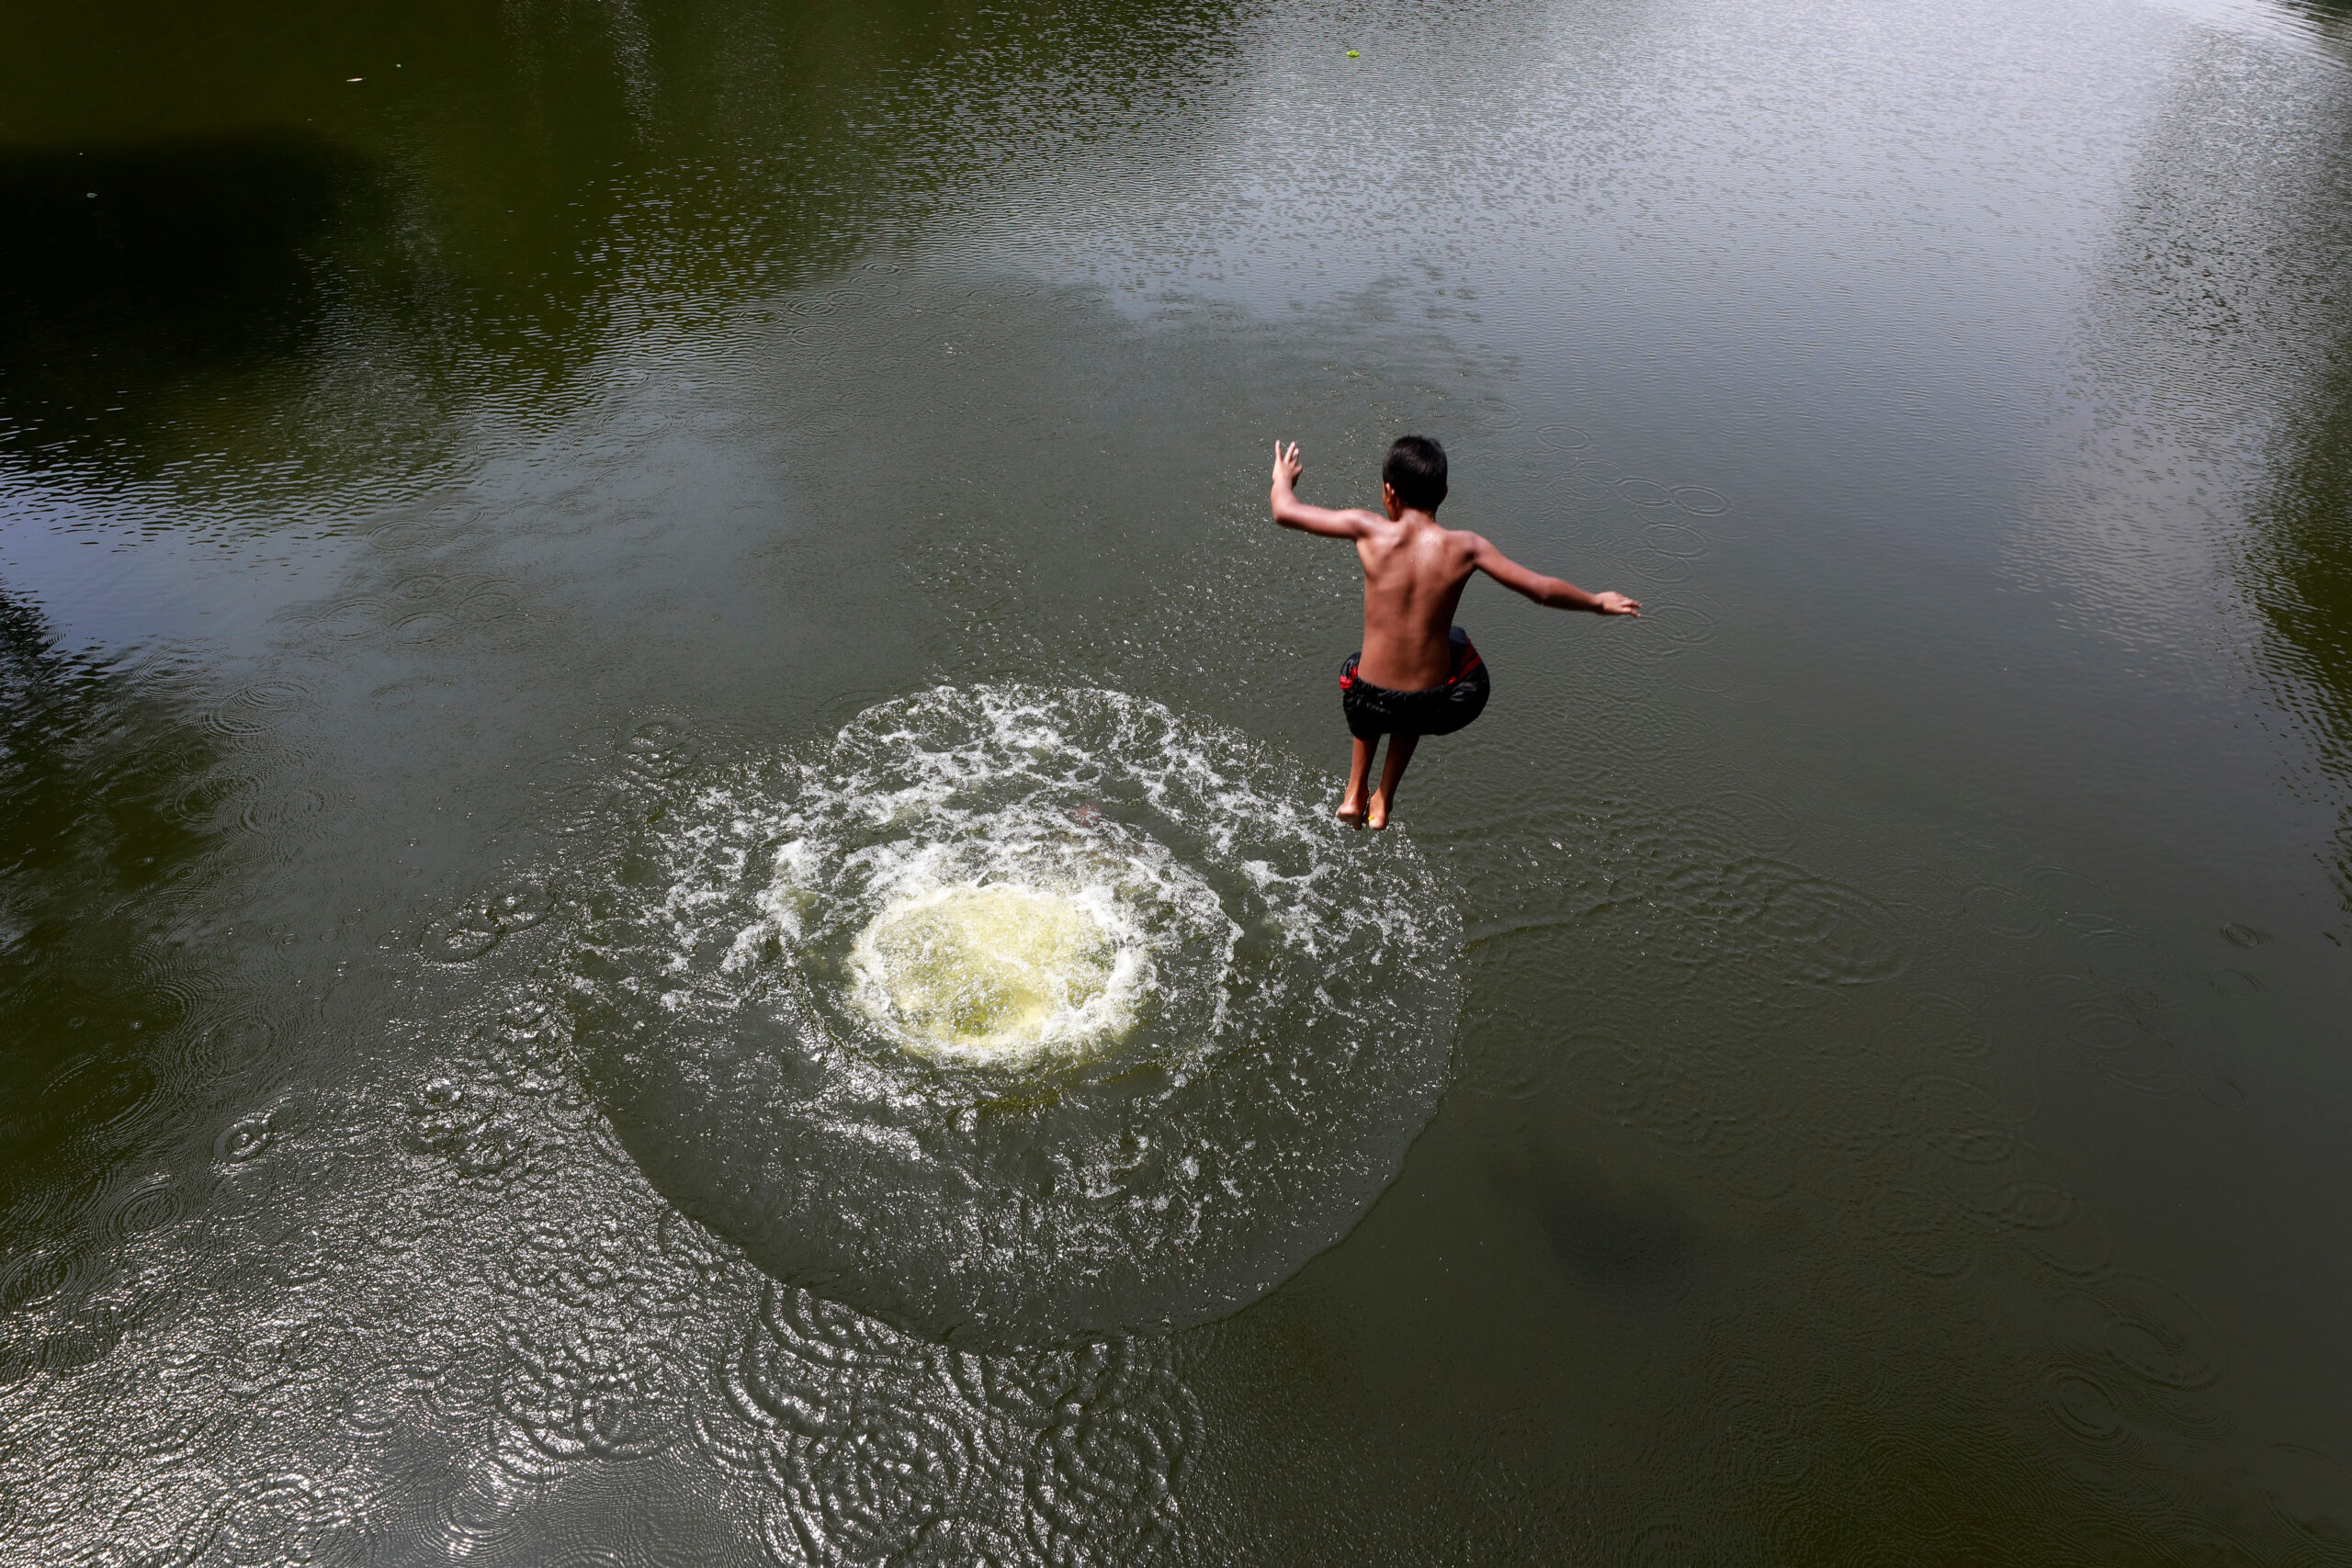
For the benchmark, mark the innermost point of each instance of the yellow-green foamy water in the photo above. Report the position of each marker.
(997, 972)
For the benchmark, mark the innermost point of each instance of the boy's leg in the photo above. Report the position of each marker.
(1400, 751)
(1359, 771)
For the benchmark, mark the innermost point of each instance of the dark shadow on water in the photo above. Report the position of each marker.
(1631, 1247)
(125, 268)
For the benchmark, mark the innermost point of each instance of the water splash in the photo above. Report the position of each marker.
(1020, 1016)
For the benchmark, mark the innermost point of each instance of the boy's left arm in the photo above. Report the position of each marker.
(1292, 513)
(1547, 590)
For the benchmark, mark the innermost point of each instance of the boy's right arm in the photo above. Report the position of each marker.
(1292, 513)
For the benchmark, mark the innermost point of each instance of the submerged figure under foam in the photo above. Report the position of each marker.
(1417, 673)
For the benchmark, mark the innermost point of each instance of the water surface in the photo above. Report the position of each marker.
(1841, 1070)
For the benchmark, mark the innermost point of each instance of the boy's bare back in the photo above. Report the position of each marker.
(1414, 571)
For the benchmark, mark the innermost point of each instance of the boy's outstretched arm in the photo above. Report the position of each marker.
(1292, 513)
(1545, 590)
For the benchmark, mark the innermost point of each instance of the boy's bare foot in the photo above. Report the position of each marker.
(1377, 818)
(1351, 813)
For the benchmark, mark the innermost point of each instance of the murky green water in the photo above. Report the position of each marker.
(1847, 1068)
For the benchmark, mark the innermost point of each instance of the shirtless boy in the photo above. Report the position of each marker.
(1417, 673)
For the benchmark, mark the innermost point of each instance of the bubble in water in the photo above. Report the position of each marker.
(1018, 1017)
(245, 1140)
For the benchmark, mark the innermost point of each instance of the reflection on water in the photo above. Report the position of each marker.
(128, 269)
(691, 916)
(466, 209)
(116, 803)
(2329, 20)
(2301, 561)
(111, 802)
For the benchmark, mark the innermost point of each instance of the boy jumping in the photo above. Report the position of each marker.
(1417, 673)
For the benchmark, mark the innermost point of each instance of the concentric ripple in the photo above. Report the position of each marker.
(1018, 1016)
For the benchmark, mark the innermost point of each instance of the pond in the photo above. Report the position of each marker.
(667, 884)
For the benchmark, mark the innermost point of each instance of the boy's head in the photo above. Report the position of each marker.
(1415, 472)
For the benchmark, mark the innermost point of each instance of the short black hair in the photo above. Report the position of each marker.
(1415, 472)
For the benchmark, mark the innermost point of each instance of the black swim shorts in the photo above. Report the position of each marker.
(1374, 711)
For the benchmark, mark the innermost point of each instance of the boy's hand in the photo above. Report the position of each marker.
(1287, 468)
(1292, 513)
(1615, 604)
